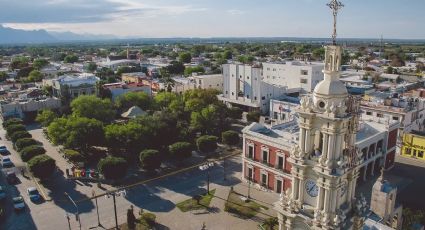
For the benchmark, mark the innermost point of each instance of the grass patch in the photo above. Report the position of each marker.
(245, 209)
(192, 204)
(145, 222)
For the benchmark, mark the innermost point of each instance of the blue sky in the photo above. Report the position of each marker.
(218, 18)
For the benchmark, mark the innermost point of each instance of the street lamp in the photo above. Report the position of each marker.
(113, 194)
(77, 216)
(207, 167)
(97, 211)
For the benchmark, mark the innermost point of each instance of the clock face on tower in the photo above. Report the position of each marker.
(311, 188)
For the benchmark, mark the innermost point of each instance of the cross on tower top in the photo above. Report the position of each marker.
(335, 6)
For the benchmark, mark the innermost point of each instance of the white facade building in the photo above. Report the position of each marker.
(293, 75)
(214, 81)
(243, 87)
(73, 86)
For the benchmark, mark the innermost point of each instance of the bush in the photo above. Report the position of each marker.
(15, 128)
(150, 159)
(149, 218)
(73, 155)
(42, 166)
(180, 150)
(12, 121)
(29, 152)
(25, 142)
(19, 135)
(113, 167)
(235, 113)
(230, 137)
(207, 143)
(253, 116)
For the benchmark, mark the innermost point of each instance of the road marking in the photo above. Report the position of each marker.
(40, 188)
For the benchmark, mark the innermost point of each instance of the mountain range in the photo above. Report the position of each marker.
(17, 36)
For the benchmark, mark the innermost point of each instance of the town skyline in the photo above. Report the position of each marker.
(187, 18)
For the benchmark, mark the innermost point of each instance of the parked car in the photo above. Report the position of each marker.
(6, 162)
(11, 177)
(3, 150)
(33, 194)
(18, 203)
(2, 193)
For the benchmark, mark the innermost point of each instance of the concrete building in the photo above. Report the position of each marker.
(136, 77)
(384, 208)
(243, 87)
(214, 81)
(409, 111)
(293, 75)
(73, 86)
(283, 109)
(120, 88)
(413, 145)
(27, 107)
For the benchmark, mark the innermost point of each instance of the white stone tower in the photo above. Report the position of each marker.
(324, 162)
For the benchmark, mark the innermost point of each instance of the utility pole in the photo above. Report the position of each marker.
(224, 169)
(78, 213)
(97, 211)
(115, 210)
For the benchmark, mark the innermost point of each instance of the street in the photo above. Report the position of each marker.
(158, 197)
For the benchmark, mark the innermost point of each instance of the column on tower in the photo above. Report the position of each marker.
(308, 142)
(301, 189)
(331, 148)
(320, 197)
(327, 202)
(325, 145)
(295, 188)
(303, 139)
(338, 146)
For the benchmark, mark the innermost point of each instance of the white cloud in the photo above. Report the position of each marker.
(235, 12)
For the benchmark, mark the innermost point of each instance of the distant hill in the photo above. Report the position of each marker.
(13, 36)
(69, 36)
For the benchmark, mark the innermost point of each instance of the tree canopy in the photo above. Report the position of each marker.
(42, 166)
(35, 76)
(185, 57)
(150, 159)
(128, 100)
(113, 168)
(45, 117)
(93, 107)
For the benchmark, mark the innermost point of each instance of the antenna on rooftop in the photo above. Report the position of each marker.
(335, 6)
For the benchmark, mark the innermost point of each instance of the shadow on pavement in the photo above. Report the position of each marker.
(57, 187)
(145, 199)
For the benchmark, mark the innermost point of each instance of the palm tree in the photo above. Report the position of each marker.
(166, 79)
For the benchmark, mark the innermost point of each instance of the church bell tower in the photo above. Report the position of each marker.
(324, 161)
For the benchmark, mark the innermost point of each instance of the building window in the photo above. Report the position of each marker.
(304, 72)
(255, 98)
(263, 98)
(250, 174)
(265, 156)
(275, 115)
(251, 152)
(395, 118)
(281, 162)
(227, 92)
(380, 115)
(264, 179)
(407, 151)
(303, 81)
(421, 154)
(369, 113)
(233, 93)
(247, 96)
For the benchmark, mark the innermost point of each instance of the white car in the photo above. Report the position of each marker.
(18, 203)
(6, 162)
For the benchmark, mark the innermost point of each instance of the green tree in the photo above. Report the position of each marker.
(127, 137)
(19, 135)
(196, 69)
(12, 121)
(71, 58)
(164, 99)
(212, 119)
(113, 168)
(253, 116)
(230, 138)
(185, 57)
(3, 76)
(39, 63)
(25, 142)
(150, 159)
(24, 72)
(31, 151)
(319, 53)
(42, 166)
(15, 128)
(180, 150)
(45, 117)
(57, 130)
(227, 55)
(19, 62)
(93, 107)
(270, 223)
(207, 144)
(35, 76)
(128, 100)
(73, 156)
(175, 67)
(91, 67)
